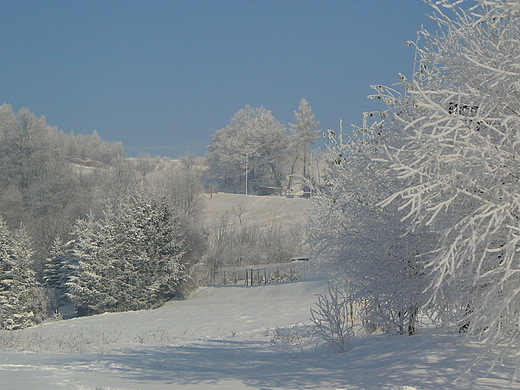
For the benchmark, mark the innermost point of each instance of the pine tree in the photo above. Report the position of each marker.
(86, 286)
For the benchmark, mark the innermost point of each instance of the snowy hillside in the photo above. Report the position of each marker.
(260, 210)
(227, 338)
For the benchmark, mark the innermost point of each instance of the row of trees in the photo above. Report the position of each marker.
(423, 215)
(255, 149)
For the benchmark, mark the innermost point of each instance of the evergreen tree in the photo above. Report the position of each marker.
(17, 279)
(57, 269)
(130, 259)
(85, 285)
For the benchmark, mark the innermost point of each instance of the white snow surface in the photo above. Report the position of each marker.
(222, 338)
(255, 210)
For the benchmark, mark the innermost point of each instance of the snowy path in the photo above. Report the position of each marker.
(221, 339)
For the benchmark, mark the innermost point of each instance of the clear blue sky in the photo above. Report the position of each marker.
(163, 76)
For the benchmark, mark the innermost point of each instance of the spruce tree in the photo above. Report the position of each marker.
(130, 259)
(57, 269)
(17, 279)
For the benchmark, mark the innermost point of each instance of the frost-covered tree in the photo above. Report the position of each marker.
(304, 133)
(130, 259)
(254, 144)
(37, 186)
(184, 187)
(17, 279)
(365, 242)
(451, 144)
(457, 157)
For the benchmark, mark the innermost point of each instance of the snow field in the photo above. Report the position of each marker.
(256, 210)
(229, 338)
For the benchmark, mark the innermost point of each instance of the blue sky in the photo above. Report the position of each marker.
(163, 76)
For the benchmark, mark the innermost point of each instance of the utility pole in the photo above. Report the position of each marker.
(247, 169)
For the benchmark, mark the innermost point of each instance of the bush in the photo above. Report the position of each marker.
(334, 319)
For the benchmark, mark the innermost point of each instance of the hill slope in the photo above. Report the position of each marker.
(255, 210)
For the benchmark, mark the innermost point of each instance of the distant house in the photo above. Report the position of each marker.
(264, 190)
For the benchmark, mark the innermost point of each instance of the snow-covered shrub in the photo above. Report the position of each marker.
(334, 319)
(154, 337)
(369, 247)
(286, 336)
(292, 339)
(248, 244)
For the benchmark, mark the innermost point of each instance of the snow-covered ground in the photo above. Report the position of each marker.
(255, 210)
(228, 338)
